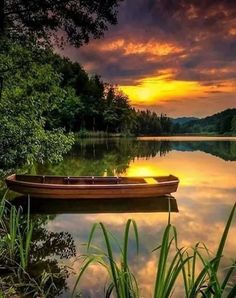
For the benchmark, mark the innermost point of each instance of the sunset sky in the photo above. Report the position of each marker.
(171, 56)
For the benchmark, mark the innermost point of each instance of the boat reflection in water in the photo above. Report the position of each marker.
(131, 205)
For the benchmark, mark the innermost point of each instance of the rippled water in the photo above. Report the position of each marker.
(206, 168)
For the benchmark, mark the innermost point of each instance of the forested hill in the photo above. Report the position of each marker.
(220, 123)
(183, 120)
(46, 99)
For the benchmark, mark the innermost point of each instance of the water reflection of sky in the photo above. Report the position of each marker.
(205, 196)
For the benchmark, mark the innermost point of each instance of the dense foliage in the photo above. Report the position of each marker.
(75, 21)
(31, 89)
(99, 106)
(36, 101)
(45, 96)
(220, 123)
(149, 123)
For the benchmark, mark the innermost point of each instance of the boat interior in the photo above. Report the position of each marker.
(90, 179)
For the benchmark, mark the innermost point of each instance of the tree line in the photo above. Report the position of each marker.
(94, 105)
(45, 98)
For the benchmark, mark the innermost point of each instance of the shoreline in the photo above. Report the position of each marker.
(105, 135)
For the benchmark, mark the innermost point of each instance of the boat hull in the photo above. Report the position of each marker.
(92, 191)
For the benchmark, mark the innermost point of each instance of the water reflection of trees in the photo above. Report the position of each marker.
(96, 157)
(113, 156)
(150, 148)
(122, 147)
(223, 149)
(46, 249)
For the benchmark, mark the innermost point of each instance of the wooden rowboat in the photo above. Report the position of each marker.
(87, 187)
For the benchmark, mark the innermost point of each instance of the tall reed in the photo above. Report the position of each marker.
(169, 266)
(174, 265)
(207, 281)
(123, 282)
(16, 234)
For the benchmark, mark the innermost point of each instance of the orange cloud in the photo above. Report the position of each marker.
(156, 48)
(152, 47)
(232, 31)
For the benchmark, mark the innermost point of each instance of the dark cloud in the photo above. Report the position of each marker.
(200, 28)
(195, 40)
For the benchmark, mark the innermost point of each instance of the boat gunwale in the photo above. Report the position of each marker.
(12, 179)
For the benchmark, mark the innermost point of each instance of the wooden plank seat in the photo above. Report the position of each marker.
(92, 180)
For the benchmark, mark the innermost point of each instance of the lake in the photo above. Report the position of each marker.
(206, 168)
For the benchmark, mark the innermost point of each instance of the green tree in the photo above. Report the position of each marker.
(233, 124)
(166, 124)
(93, 102)
(42, 19)
(109, 113)
(225, 124)
(66, 113)
(28, 94)
(124, 112)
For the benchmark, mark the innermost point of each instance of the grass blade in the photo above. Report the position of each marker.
(110, 256)
(232, 293)
(90, 260)
(223, 239)
(162, 261)
(227, 277)
(91, 235)
(136, 235)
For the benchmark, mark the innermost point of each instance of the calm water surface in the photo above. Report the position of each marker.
(207, 172)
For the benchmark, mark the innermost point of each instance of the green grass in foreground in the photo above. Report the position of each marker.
(174, 263)
(16, 278)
